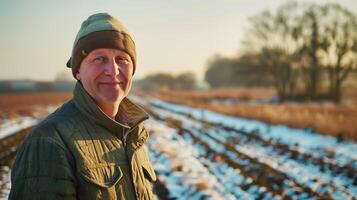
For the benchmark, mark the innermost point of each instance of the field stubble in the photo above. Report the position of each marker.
(326, 118)
(28, 104)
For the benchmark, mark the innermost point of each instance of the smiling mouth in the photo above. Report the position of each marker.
(112, 83)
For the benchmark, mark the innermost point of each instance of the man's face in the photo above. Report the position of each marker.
(106, 74)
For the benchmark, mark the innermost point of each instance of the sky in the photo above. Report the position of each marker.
(36, 37)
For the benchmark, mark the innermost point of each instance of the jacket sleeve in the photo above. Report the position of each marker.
(42, 170)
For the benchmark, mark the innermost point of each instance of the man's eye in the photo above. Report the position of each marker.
(122, 60)
(99, 59)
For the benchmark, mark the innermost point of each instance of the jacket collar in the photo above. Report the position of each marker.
(131, 112)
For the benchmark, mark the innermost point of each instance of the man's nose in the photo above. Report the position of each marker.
(112, 67)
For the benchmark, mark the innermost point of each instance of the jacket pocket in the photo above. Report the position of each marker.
(149, 172)
(102, 176)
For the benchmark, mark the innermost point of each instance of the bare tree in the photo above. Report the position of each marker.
(301, 41)
(339, 52)
(308, 30)
(276, 38)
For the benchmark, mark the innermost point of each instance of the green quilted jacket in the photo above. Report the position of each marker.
(79, 153)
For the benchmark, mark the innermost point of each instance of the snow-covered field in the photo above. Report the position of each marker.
(7, 129)
(198, 154)
(11, 134)
(10, 127)
(263, 161)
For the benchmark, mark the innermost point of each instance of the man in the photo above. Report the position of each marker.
(92, 146)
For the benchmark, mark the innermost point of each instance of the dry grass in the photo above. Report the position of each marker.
(221, 94)
(325, 118)
(13, 105)
(349, 95)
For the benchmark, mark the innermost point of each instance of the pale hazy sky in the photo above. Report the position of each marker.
(36, 37)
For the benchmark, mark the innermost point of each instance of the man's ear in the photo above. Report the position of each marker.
(78, 77)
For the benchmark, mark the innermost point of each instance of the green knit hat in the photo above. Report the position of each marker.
(100, 31)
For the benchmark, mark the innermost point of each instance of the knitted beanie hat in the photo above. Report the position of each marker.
(100, 31)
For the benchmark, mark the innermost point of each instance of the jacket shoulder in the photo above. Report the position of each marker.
(63, 120)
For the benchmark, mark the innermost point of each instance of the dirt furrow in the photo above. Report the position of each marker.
(261, 174)
(302, 157)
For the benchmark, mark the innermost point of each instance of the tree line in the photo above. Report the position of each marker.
(306, 51)
(164, 81)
